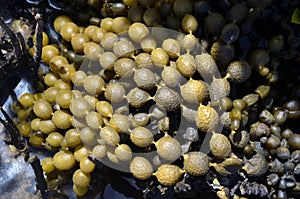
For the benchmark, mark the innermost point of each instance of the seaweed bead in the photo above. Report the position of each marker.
(194, 91)
(141, 137)
(42, 109)
(196, 163)
(168, 148)
(168, 174)
(206, 118)
(239, 71)
(64, 160)
(141, 168)
(167, 98)
(219, 145)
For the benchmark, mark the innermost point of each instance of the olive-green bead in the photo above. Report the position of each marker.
(239, 71)
(104, 108)
(78, 42)
(60, 21)
(54, 139)
(239, 104)
(120, 123)
(172, 47)
(141, 168)
(123, 48)
(63, 98)
(47, 165)
(68, 30)
(36, 139)
(171, 76)
(226, 103)
(167, 98)
(220, 146)
(206, 66)
(273, 142)
(276, 43)
(80, 191)
(24, 128)
(194, 91)
(81, 152)
(159, 57)
(262, 91)
(186, 65)
(218, 89)
(99, 151)
(62, 85)
(141, 137)
(86, 165)
(189, 42)
(120, 24)
(110, 136)
(123, 66)
(87, 135)
(141, 119)
(137, 31)
(106, 23)
(235, 113)
(123, 152)
(94, 84)
(108, 40)
(223, 53)
(50, 79)
(168, 174)
(182, 7)
(189, 23)
(35, 124)
(130, 3)
(135, 13)
(152, 17)
(280, 117)
(94, 120)
(168, 148)
(114, 92)
(251, 99)
(98, 35)
(238, 12)
(294, 141)
(137, 97)
(196, 163)
(148, 44)
(64, 160)
(62, 119)
(42, 109)
(81, 179)
(206, 118)
(145, 78)
(26, 99)
(72, 138)
(92, 50)
(79, 107)
(214, 22)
